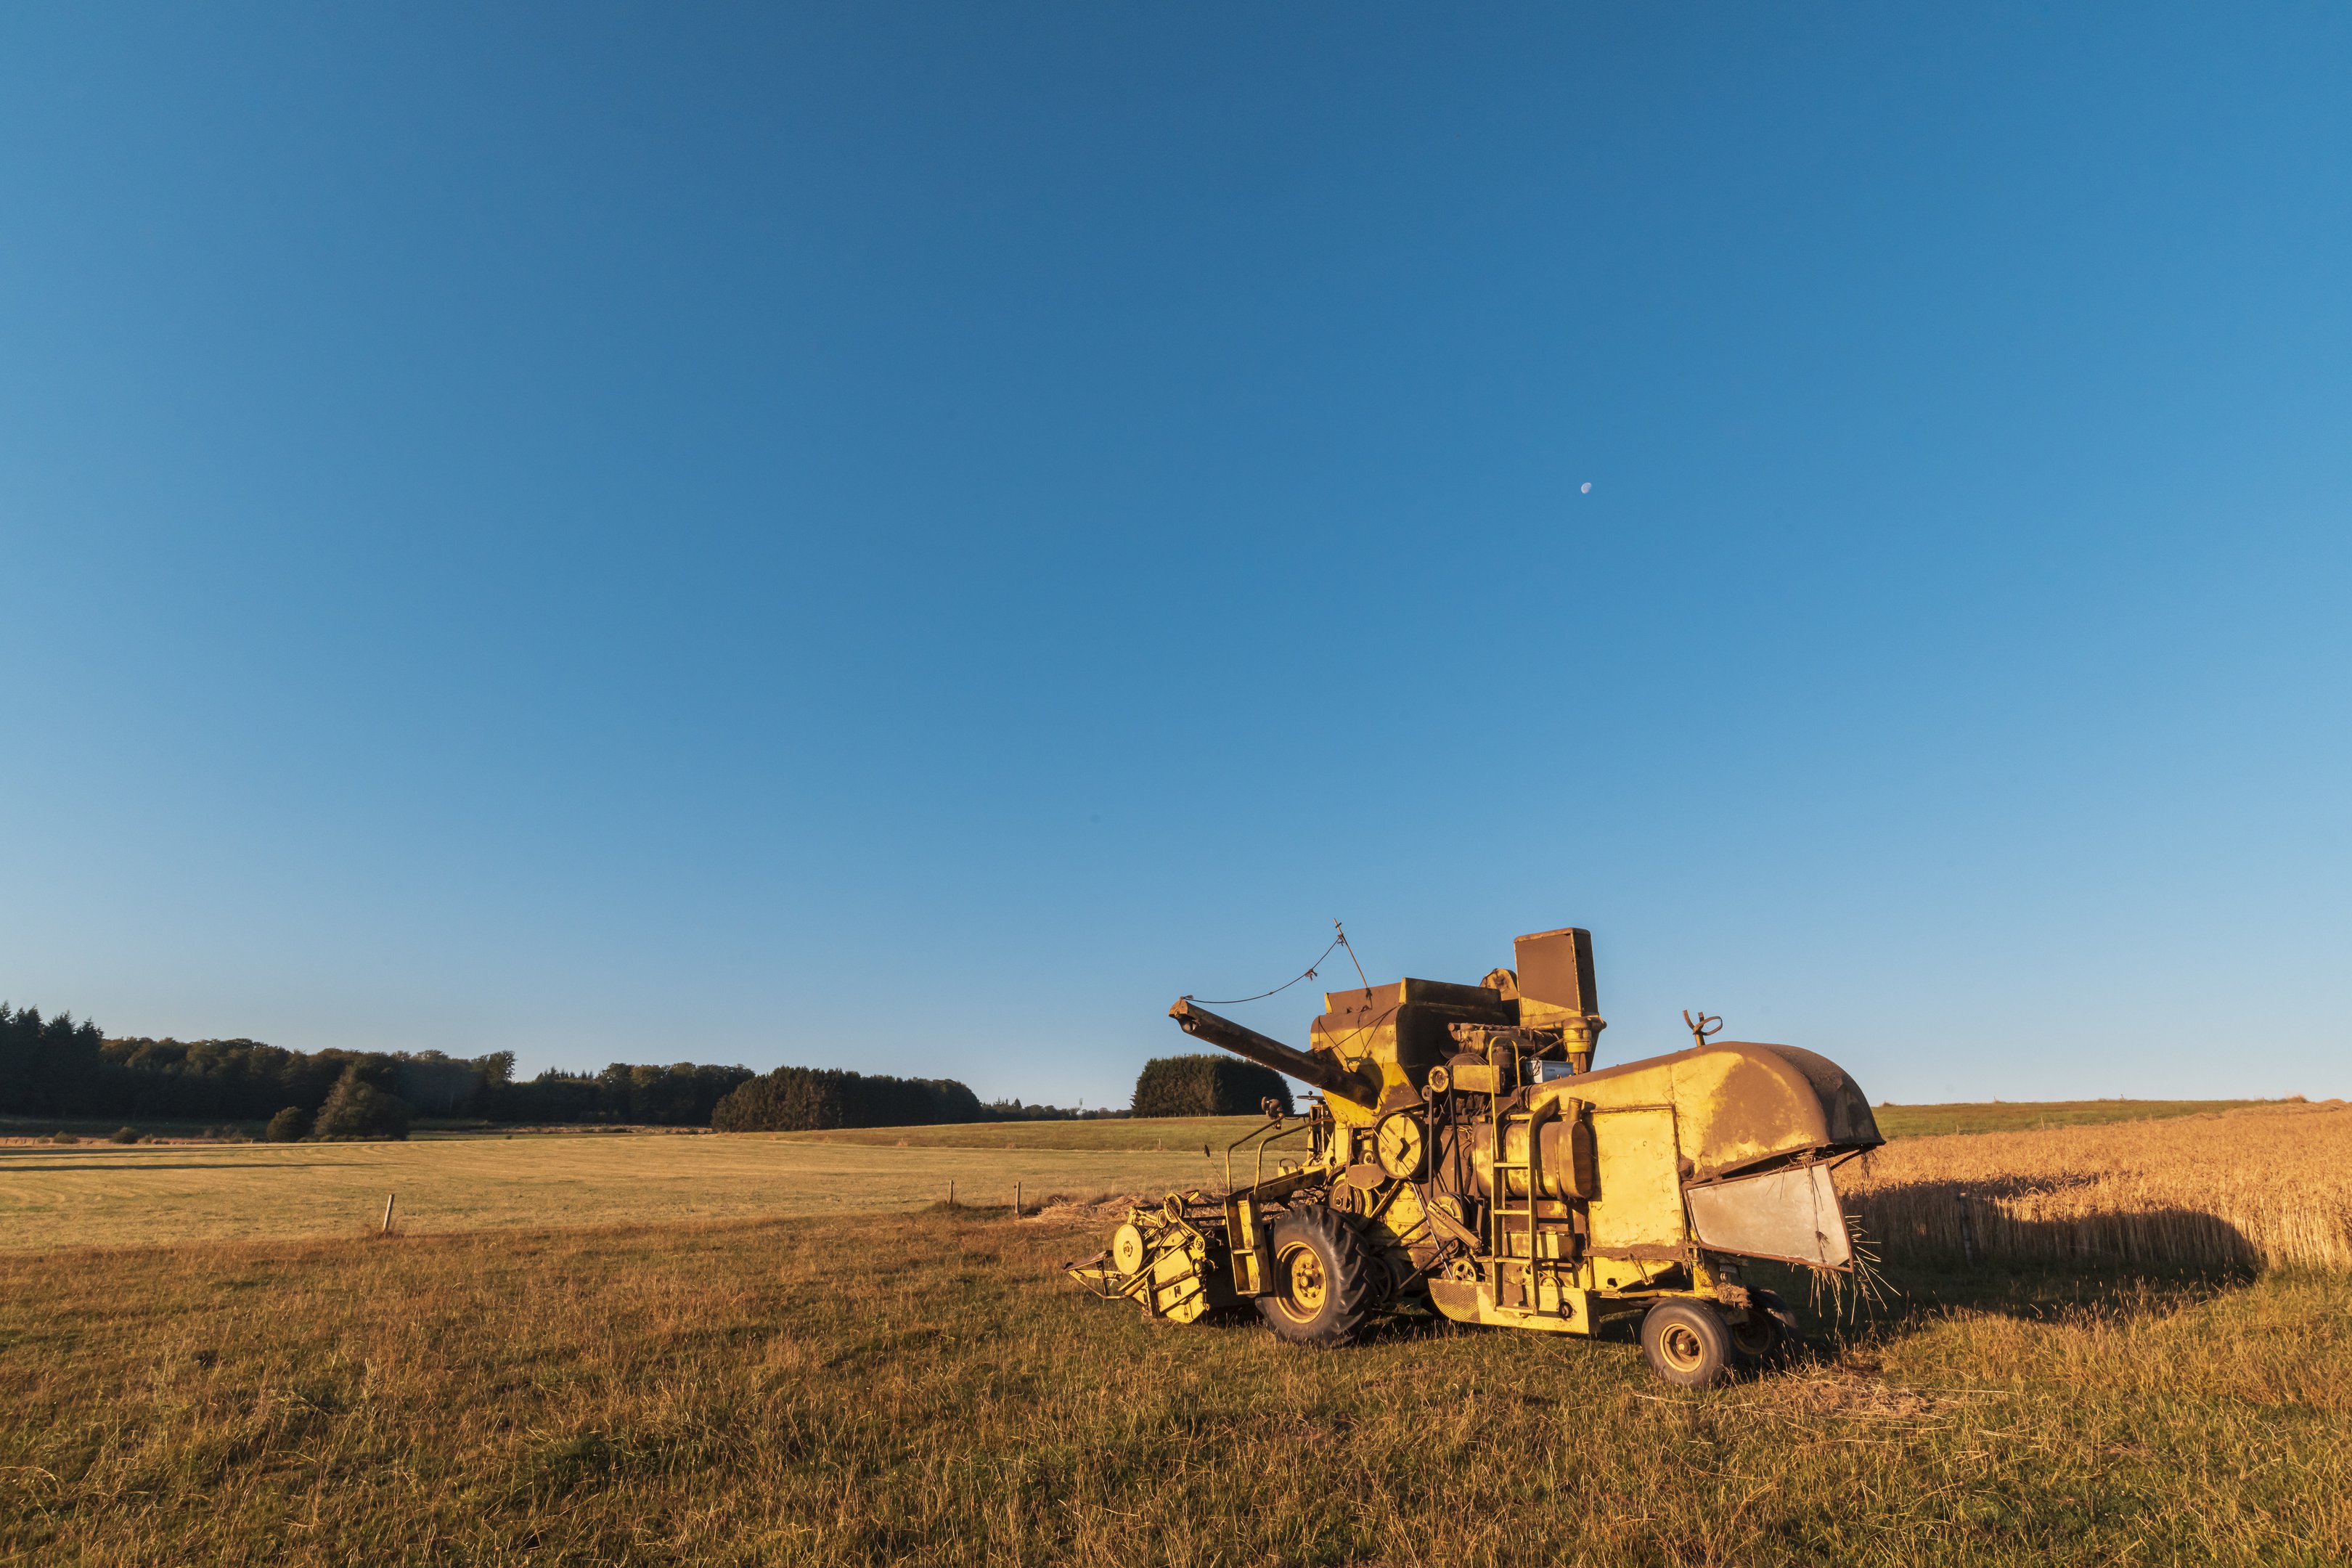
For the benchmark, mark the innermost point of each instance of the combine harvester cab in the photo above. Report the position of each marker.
(1464, 1156)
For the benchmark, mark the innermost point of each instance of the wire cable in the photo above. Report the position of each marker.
(1308, 974)
(1338, 941)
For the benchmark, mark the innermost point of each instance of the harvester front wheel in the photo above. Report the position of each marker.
(1326, 1281)
(1688, 1343)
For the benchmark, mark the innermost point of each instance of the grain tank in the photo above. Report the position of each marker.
(1463, 1155)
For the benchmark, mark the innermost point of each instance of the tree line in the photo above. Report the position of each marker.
(62, 1069)
(69, 1070)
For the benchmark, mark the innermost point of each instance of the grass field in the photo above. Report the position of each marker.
(1171, 1134)
(1177, 1134)
(97, 1194)
(926, 1389)
(775, 1362)
(2023, 1116)
(1191, 1133)
(100, 1194)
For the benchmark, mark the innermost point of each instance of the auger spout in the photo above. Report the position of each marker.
(1357, 1088)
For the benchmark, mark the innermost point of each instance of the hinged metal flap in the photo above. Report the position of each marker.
(1791, 1215)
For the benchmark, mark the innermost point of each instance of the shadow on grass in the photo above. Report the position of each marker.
(975, 1212)
(1982, 1219)
(1913, 1294)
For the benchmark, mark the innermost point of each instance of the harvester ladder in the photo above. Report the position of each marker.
(1500, 1213)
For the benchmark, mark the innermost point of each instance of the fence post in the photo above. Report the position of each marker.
(1016, 1200)
(1967, 1230)
(950, 1194)
(387, 1214)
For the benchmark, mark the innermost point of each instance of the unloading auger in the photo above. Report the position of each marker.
(1463, 1154)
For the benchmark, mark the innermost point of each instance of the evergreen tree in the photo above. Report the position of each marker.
(356, 1108)
(1207, 1085)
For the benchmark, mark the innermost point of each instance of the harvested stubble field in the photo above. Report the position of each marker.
(101, 1195)
(1189, 1132)
(96, 1194)
(926, 1389)
(894, 1387)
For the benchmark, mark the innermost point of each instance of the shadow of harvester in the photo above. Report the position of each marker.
(2036, 1248)
(2062, 1221)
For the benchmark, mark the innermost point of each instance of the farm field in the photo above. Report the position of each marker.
(87, 1194)
(926, 1389)
(515, 1377)
(97, 1194)
(2027, 1116)
(2264, 1187)
(1189, 1132)
(1177, 1134)
(1168, 1135)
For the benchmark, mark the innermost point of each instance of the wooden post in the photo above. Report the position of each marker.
(1016, 1200)
(1967, 1230)
(387, 1214)
(950, 1194)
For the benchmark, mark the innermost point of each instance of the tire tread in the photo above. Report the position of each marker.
(1355, 1276)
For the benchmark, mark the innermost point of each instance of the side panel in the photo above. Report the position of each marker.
(1640, 1199)
(1467, 1302)
(1555, 966)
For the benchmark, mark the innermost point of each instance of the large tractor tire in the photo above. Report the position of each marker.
(1688, 1343)
(1326, 1280)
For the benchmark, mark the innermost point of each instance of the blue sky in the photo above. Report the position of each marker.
(905, 537)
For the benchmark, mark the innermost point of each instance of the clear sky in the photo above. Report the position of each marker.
(905, 537)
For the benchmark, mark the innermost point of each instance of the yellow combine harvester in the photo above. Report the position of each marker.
(1463, 1153)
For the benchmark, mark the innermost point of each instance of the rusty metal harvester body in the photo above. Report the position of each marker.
(1463, 1155)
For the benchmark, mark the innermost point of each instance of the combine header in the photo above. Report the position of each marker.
(1465, 1155)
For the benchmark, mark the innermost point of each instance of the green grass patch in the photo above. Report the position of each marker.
(2027, 1115)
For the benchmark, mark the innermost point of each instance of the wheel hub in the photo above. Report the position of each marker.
(1304, 1284)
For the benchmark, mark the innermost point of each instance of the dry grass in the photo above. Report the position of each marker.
(2263, 1188)
(1163, 1134)
(1166, 1135)
(85, 1195)
(926, 1389)
(870, 1386)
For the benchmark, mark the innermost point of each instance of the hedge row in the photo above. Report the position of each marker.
(1207, 1085)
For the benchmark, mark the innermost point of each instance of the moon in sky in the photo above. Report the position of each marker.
(1585, 488)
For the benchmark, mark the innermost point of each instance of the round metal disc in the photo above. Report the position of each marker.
(1126, 1249)
(1400, 1146)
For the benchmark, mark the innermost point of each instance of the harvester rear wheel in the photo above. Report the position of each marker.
(1326, 1281)
(1688, 1343)
(1770, 1334)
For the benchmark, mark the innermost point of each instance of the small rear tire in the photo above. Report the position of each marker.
(1755, 1337)
(1326, 1280)
(1770, 1335)
(1688, 1343)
